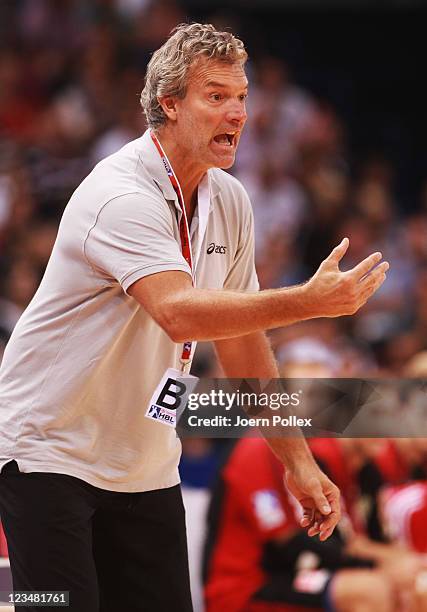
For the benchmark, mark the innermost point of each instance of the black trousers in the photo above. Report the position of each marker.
(113, 552)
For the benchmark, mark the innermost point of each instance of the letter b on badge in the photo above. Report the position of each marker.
(170, 397)
(173, 389)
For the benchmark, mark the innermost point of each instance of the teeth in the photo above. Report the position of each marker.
(225, 138)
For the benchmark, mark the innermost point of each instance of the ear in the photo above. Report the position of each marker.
(168, 104)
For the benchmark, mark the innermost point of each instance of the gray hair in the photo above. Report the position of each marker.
(167, 71)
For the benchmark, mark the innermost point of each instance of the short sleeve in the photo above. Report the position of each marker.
(242, 276)
(133, 237)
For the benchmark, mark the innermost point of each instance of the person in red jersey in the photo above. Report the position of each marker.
(398, 461)
(258, 559)
(403, 514)
(345, 460)
(403, 519)
(402, 459)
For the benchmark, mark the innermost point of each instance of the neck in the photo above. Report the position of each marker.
(187, 170)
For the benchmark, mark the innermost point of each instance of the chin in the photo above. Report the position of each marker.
(226, 164)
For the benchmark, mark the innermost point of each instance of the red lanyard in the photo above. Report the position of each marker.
(183, 231)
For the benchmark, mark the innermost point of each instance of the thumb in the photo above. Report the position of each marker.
(320, 499)
(338, 252)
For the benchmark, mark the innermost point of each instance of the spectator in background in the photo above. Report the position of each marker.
(375, 204)
(278, 203)
(349, 462)
(128, 123)
(274, 95)
(399, 461)
(321, 349)
(397, 482)
(20, 283)
(258, 559)
(325, 180)
(344, 460)
(362, 467)
(17, 113)
(61, 71)
(307, 357)
(18, 206)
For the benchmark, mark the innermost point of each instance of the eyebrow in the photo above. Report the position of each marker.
(221, 85)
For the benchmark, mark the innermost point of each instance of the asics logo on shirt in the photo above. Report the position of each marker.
(216, 248)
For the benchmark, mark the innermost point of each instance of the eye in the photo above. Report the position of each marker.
(216, 97)
(243, 96)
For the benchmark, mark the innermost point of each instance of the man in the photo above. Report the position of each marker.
(89, 491)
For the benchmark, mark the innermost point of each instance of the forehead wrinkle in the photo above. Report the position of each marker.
(204, 71)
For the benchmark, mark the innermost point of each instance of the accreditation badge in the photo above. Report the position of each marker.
(170, 397)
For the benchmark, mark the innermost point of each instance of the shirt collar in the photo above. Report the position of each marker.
(152, 161)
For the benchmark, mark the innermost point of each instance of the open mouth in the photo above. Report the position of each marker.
(227, 139)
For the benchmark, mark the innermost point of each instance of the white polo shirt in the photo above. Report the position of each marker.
(85, 358)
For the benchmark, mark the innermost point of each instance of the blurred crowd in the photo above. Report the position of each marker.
(70, 77)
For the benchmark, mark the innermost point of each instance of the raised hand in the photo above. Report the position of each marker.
(333, 293)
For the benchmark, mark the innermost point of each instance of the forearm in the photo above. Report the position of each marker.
(251, 357)
(318, 496)
(204, 314)
(187, 313)
(293, 451)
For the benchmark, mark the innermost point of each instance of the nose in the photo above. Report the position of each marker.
(236, 113)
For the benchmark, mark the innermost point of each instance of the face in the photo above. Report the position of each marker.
(209, 120)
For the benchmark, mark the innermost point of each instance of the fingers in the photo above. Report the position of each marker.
(320, 499)
(366, 287)
(314, 530)
(321, 525)
(308, 517)
(316, 525)
(313, 517)
(327, 525)
(310, 520)
(373, 274)
(374, 280)
(366, 265)
(337, 253)
(323, 512)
